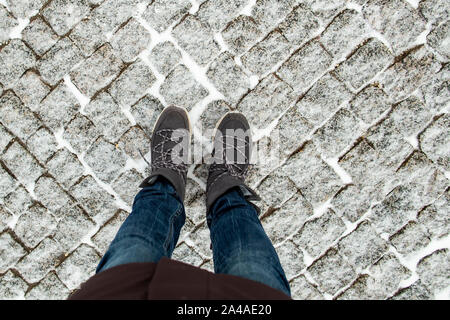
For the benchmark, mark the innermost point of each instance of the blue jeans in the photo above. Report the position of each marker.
(240, 245)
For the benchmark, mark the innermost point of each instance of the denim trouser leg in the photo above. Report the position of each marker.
(152, 229)
(240, 244)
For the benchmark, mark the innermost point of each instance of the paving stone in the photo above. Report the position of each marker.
(271, 187)
(362, 247)
(436, 92)
(103, 111)
(72, 228)
(130, 40)
(52, 196)
(80, 133)
(180, 88)
(39, 36)
(111, 14)
(18, 200)
(201, 241)
(78, 267)
(323, 99)
(196, 39)
(439, 39)
(240, 34)
(306, 64)
(193, 192)
(292, 215)
(7, 23)
(360, 161)
(395, 210)
(127, 185)
(358, 290)
(189, 226)
(268, 13)
(389, 141)
(291, 258)
(31, 90)
(396, 20)
(195, 210)
(35, 265)
(369, 103)
(384, 279)
(318, 234)
(42, 144)
(132, 83)
(353, 202)
(416, 291)
(5, 137)
(12, 287)
(208, 266)
(424, 176)
(186, 254)
(25, 8)
(64, 14)
(164, 56)
(161, 14)
(368, 60)
(315, 179)
(34, 225)
(299, 25)
(301, 289)
(87, 36)
(65, 167)
(216, 14)
(24, 167)
(434, 11)
(10, 252)
(346, 31)
(135, 143)
(5, 218)
(433, 270)
(266, 102)
(410, 116)
(331, 271)
(266, 54)
(434, 141)
(434, 218)
(106, 234)
(105, 159)
(212, 114)
(97, 71)
(410, 239)
(228, 78)
(337, 133)
(15, 59)
(49, 288)
(16, 117)
(59, 60)
(146, 111)
(97, 202)
(326, 10)
(403, 77)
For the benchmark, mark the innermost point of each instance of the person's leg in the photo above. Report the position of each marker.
(240, 244)
(152, 229)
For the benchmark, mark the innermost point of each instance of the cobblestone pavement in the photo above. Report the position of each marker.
(357, 91)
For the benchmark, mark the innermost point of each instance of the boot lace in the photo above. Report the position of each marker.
(164, 157)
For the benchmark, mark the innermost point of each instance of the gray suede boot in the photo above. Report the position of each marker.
(231, 153)
(170, 149)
